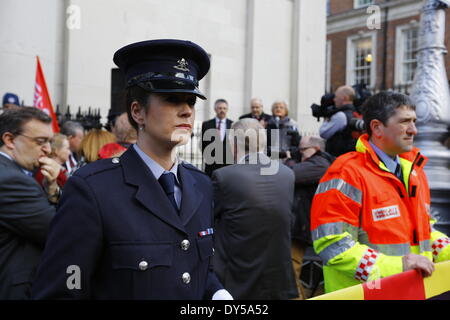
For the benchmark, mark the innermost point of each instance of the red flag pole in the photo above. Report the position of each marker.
(42, 97)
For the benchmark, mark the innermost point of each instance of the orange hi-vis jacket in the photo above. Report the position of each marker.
(364, 219)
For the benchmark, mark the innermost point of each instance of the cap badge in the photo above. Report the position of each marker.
(182, 65)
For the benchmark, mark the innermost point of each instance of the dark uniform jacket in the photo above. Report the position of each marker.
(211, 124)
(116, 224)
(253, 219)
(25, 216)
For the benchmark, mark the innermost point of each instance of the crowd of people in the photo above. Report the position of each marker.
(115, 215)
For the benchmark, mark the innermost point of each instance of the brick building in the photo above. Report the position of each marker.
(382, 56)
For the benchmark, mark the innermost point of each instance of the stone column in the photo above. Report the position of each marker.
(431, 95)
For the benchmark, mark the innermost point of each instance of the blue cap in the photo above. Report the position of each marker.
(10, 98)
(164, 66)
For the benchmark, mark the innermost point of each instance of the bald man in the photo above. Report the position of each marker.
(336, 130)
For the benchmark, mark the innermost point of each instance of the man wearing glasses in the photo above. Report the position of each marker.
(25, 209)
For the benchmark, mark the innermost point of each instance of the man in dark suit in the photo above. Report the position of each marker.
(25, 208)
(253, 214)
(140, 226)
(257, 112)
(215, 147)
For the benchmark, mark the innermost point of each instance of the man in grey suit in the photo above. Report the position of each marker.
(25, 210)
(253, 212)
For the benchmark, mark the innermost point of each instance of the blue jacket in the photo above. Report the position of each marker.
(116, 224)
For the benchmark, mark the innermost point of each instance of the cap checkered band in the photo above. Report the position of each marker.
(366, 264)
(439, 245)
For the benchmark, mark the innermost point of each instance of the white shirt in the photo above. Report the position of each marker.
(223, 127)
(68, 165)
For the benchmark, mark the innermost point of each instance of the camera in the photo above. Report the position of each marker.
(357, 124)
(288, 138)
(326, 108)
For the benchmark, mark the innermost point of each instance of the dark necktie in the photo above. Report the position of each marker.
(167, 182)
(398, 172)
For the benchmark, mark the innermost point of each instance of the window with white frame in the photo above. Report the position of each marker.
(362, 3)
(361, 60)
(406, 57)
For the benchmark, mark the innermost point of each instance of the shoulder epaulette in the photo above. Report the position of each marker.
(97, 167)
(189, 166)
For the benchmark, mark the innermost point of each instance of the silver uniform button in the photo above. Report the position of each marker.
(115, 160)
(185, 245)
(143, 265)
(186, 278)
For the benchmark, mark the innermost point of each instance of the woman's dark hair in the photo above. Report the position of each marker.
(139, 95)
(13, 120)
(382, 106)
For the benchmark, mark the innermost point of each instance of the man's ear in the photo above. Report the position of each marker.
(377, 128)
(138, 113)
(7, 139)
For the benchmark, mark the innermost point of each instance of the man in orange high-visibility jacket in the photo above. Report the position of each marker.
(370, 216)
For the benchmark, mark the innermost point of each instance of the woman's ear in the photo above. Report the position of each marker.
(138, 113)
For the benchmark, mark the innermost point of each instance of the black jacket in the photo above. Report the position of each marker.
(25, 216)
(264, 116)
(227, 156)
(342, 141)
(307, 176)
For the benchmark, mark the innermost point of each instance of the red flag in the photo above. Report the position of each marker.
(42, 98)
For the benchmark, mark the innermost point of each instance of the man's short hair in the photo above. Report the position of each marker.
(220, 101)
(69, 128)
(348, 91)
(256, 99)
(382, 106)
(14, 120)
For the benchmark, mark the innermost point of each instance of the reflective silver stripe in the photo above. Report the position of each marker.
(334, 228)
(342, 186)
(424, 245)
(400, 249)
(336, 249)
